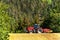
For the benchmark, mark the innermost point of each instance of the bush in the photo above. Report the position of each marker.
(55, 22)
(7, 23)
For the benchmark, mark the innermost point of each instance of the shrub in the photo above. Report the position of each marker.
(7, 23)
(55, 22)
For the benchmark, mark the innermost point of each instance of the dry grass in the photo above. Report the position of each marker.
(42, 36)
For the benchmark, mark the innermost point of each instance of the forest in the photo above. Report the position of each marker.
(15, 15)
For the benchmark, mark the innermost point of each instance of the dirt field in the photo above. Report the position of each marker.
(42, 36)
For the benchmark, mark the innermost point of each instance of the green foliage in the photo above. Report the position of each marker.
(7, 23)
(49, 1)
(55, 22)
(28, 12)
